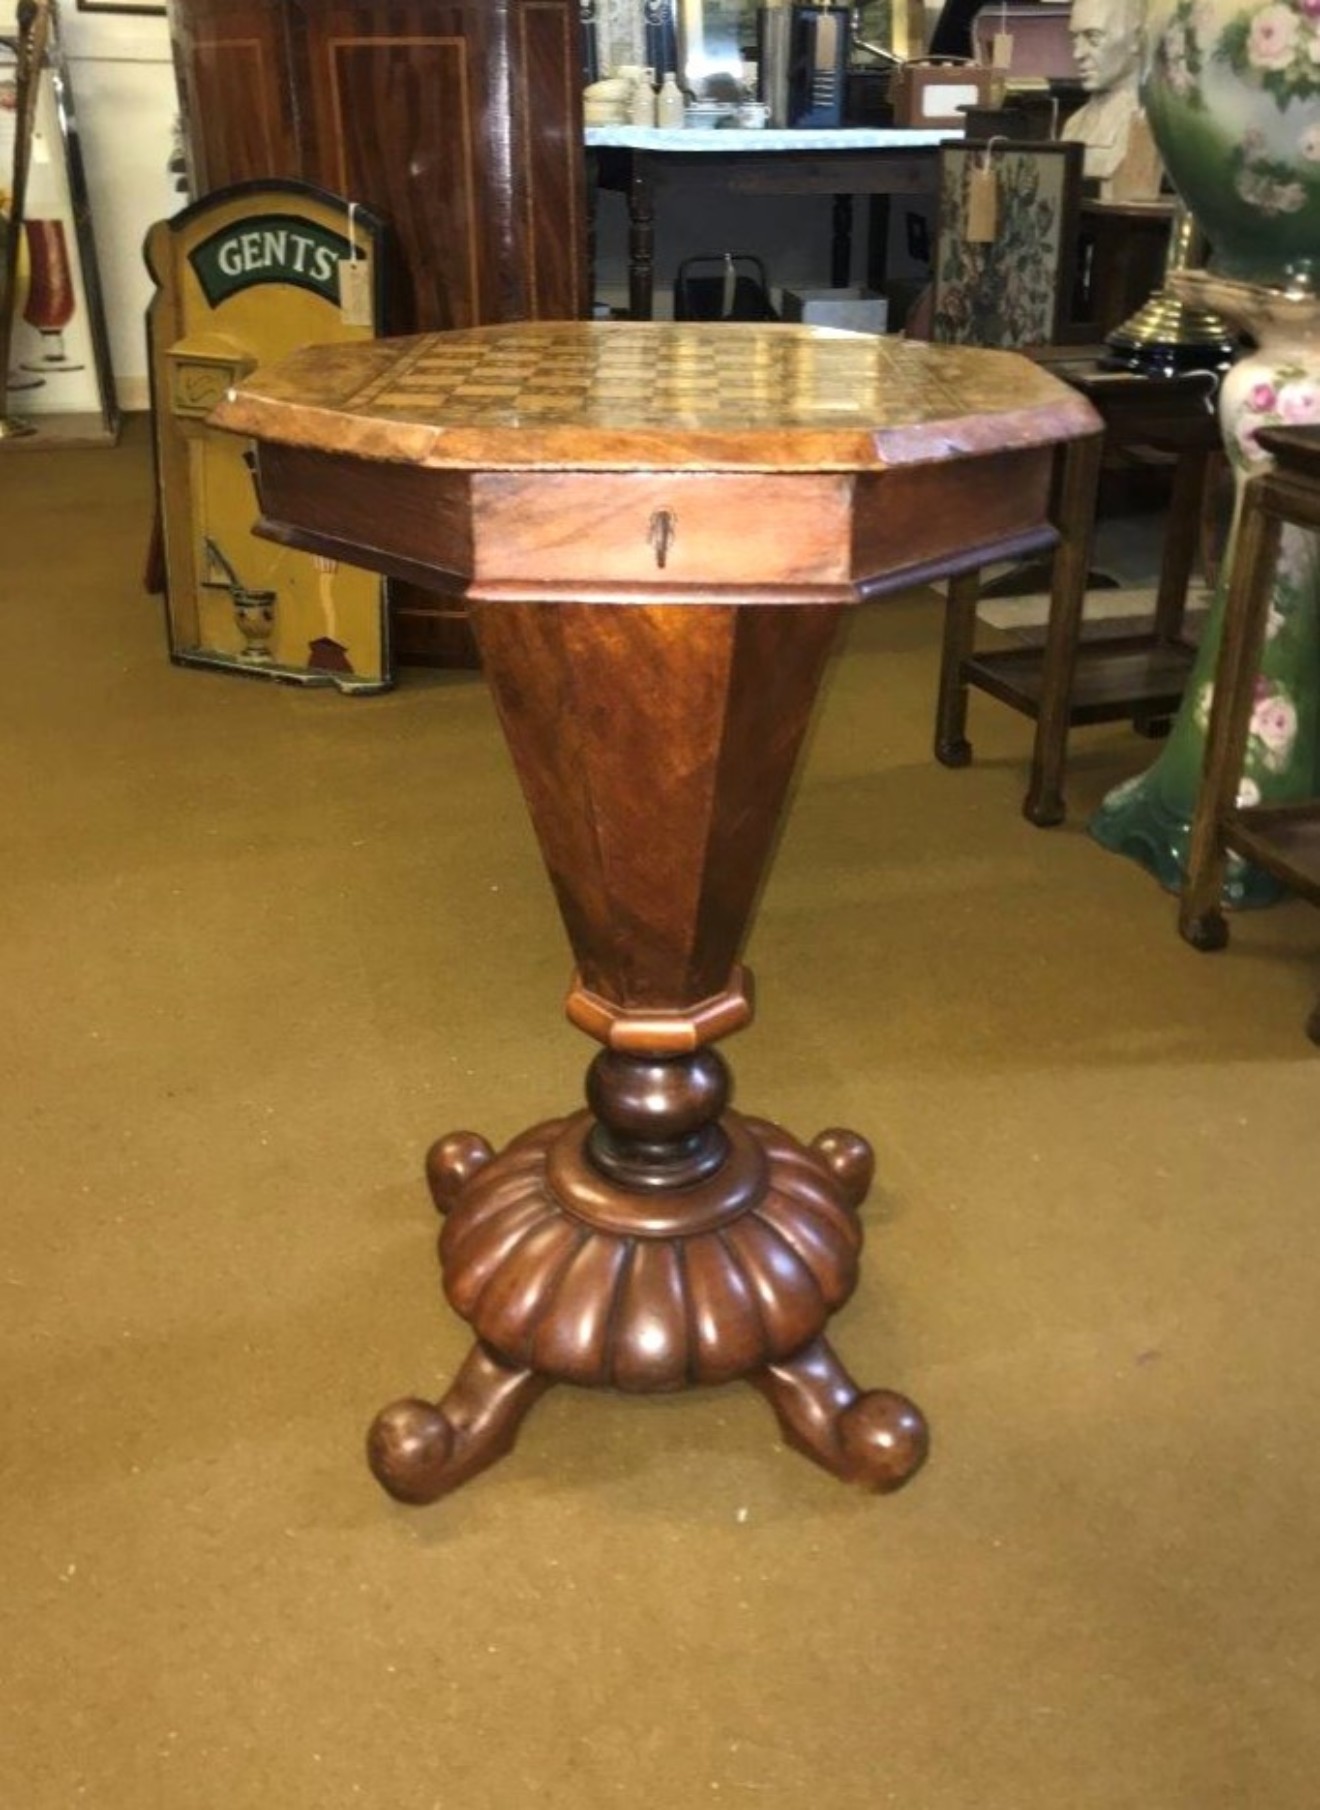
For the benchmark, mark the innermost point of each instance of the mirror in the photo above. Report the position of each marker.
(712, 38)
(58, 377)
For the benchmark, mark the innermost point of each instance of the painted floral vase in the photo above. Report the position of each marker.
(1232, 93)
(1149, 817)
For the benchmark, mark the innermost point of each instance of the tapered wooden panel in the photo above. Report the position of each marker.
(655, 745)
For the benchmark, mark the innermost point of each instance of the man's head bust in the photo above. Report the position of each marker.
(1106, 36)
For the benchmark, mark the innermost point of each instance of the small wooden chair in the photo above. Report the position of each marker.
(1283, 839)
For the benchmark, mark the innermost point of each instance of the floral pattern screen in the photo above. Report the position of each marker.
(1006, 291)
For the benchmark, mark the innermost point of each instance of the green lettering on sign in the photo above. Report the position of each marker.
(269, 248)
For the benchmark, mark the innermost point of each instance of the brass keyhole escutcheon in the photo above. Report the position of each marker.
(662, 534)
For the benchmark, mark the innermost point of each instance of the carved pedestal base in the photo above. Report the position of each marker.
(569, 1275)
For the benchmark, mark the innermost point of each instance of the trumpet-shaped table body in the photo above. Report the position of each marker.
(657, 528)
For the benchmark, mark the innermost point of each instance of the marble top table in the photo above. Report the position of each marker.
(657, 529)
(655, 168)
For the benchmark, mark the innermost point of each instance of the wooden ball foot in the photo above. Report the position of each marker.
(874, 1437)
(420, 1450)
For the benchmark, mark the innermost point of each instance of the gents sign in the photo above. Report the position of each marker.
(270, 248)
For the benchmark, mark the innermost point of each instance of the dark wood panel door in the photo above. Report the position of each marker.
(458, 121)
(231, 60)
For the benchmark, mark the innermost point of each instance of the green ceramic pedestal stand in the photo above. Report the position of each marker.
(1149, 817)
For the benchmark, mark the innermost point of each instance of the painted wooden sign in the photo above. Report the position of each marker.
(243, 278)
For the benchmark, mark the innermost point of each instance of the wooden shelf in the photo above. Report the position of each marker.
(1112, 679)
(1283, 838)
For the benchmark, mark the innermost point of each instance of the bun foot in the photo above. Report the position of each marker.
(421, 1450)
(875, 1437)
(885, 1440)
(849, 1159)
(409, 1447)
(451, 1162)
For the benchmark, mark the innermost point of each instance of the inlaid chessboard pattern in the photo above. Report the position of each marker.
(597, 393)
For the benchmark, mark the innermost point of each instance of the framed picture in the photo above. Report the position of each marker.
(1006, 277)
(121, 6)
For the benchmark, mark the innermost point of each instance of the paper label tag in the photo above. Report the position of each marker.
(942, 101)
(982, 204)
(355, 292)
(1001, 50)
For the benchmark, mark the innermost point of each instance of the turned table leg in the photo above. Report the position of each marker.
(656, 1240)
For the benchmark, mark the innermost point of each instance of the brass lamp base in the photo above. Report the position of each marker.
(1167, 336)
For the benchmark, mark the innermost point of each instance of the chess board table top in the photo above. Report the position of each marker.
(628, 396)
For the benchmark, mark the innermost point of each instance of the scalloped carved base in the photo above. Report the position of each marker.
(567, 1277)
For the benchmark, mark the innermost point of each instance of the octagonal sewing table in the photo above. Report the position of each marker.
(656, 529)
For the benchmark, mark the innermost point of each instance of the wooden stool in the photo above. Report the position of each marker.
(1066, 680)
(1283, 839)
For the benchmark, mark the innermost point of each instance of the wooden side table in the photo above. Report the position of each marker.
(1068, 681)
(1283, 839)
(657, 528)
(658, 170)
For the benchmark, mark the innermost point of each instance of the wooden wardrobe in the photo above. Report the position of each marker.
(460, 121)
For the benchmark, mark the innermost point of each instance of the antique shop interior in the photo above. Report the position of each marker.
(518, 516)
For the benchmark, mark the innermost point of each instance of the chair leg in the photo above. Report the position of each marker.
(1044, 804)
(1181, 535)
(1180, 542)
(1246, 609)
(952, 749)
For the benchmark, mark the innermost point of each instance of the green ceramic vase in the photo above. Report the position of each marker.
(1233, 97)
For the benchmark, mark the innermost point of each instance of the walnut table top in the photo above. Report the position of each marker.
(629, 395)
(592, 461)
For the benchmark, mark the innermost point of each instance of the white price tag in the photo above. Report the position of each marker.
(355, 292)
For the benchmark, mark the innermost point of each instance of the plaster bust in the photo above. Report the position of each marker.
(1106, 37)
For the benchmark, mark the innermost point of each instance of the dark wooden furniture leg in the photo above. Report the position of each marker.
(841, 242)
(641, 243)
(1200, 915)
(1181, 538)
(952, 748)
(1078, 484)
(657, 1239)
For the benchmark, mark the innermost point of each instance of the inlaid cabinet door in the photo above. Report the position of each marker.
(231, 59)
(458, 121)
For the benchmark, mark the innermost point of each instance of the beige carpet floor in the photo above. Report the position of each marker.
(259, 947)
